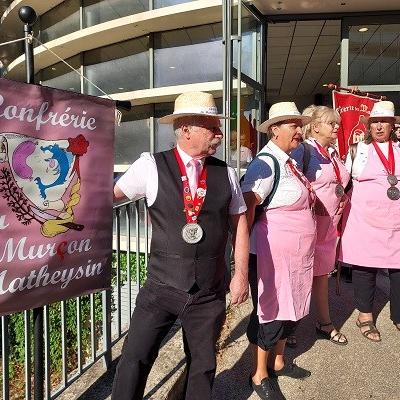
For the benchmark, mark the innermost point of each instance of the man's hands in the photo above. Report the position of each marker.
(239, 288)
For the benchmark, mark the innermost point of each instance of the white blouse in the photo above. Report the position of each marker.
(356, 166)
(260, 175)
(141, 180)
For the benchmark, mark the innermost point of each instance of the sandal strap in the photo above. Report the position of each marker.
(325, 324)
(370, 324)
(337, 336)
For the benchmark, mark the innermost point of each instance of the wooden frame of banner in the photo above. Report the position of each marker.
(332, 86)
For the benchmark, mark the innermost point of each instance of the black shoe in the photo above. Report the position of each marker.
(292, 371)
(268, 389)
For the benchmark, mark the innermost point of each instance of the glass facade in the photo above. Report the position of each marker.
(60, 75)
(374, 54)
(133, 136)
(98, 11)
(60, 20)
(164, 136)
(188, 55)
(166, 3)
(250, 45)
(127, 62)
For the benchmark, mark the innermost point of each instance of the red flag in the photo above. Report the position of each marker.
(350, 108)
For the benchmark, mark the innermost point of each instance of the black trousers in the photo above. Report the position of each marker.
(157, 308)
(268, 334)
(364, 283)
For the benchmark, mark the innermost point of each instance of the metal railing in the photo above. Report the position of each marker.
(95, 322)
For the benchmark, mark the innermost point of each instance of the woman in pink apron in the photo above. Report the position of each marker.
(371, 226)
(283, 239)
(328, 176)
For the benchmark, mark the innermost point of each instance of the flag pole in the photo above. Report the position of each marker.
(28, 16)
(357, 92)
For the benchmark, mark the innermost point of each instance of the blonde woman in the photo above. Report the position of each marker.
(328, 176)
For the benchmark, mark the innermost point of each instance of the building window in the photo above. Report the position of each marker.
(98, 11)
(250, 44)
(166, 3)
(60, 76)
(133, 136)
(121, 67)
(60, 20)
(374, 54)
(188, 55)
(164, 135)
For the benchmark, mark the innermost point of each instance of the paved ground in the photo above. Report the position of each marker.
(361, 370)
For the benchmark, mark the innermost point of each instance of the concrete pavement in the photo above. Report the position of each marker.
(362, 370)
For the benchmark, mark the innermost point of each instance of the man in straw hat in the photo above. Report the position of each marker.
(282, 247)
(193, 198)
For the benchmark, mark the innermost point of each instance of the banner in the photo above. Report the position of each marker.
(351, 107)
(56, 185)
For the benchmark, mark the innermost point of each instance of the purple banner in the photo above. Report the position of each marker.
(56, 179)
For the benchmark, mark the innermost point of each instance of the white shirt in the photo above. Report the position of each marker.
(141, 180)
(260, 175)
(357, 166)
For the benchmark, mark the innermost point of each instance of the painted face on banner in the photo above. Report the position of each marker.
(41, 169)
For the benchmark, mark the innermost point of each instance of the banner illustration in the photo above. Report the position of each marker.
(56, 178)
(350, 108)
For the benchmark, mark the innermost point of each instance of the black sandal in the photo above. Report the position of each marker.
(372, 329)
(337, 338)
(397, 325)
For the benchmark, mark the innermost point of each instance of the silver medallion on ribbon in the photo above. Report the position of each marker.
(393, 193)
(192, 233)
(392, 179)
(339, 190)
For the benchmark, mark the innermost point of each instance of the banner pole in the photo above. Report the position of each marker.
(28, 16)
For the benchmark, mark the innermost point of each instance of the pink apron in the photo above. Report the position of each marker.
(326, 220)
(285, 253)
(371, 225)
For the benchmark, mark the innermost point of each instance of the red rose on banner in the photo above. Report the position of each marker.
(78, 145)
(350, 108)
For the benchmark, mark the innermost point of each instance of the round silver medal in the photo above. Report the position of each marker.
(393, 193)
(339, 190)
(192, 233)
(201, 192)
(392, 179)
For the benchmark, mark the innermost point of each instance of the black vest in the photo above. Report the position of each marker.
(172, 260)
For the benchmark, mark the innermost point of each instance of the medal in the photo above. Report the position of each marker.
(192, 233)
(392, 179)
(389, 163)
(393, 193)
(339, 190)
(201, 192)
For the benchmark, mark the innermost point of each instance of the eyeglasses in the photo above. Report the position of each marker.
(331, 123)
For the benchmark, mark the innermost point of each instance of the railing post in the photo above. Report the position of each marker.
(106, 302)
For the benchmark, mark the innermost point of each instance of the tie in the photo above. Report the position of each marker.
(192, 170)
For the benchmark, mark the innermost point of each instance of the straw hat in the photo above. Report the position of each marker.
(381, 109)
(280, 112)
(193, 104)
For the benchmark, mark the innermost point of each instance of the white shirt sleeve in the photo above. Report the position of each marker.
(140, 180)
(237, 204)
(349, 162)
(259, 177)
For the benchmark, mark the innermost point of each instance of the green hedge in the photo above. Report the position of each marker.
(16, 327)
